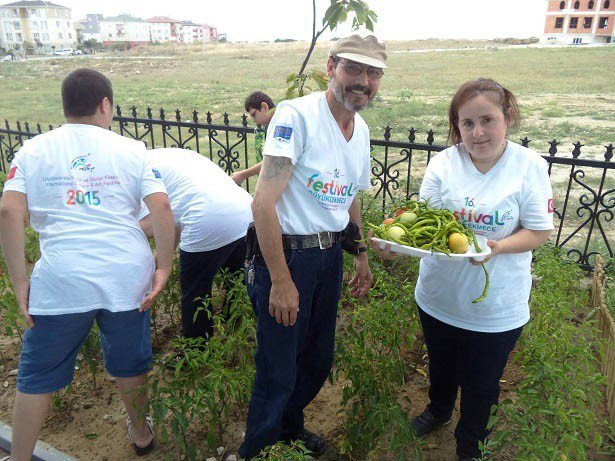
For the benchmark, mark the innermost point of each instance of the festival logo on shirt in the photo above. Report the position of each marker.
(157, 174)
(486, 222)
(550, 205)
(12, 172)
(81, 164)
(330, 193)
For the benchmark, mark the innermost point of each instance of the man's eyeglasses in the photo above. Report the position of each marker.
(354, 70)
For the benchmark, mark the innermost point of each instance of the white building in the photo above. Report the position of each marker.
(124, 28)
(191, 32)
(36, 27)
(163, 29)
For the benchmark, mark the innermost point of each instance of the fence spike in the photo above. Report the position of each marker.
(226, 119)
(430, 137)
(134, 111)
(38, 128)
(149, 112)
(577, 149)
(162, 113)
(27, 127)
(387, 132)
(553, 148)
(608, 155)
(195, 116)
(178, 115)
(525, 142)
(118, 110)
(18, 125)
(412, 134)
(244, 120)
(208, 117)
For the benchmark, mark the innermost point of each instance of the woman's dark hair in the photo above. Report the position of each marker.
(82, 92)
(492, 90)
(255, 99)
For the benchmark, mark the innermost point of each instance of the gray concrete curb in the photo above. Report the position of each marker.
(42, 452)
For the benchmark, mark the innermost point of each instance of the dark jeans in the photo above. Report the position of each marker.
(292, 363)
(470, 360)
(196, 278)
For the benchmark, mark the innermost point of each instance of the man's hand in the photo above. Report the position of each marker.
(363, 278)
(238, 177)
(158, 283)
(284, 302)
(386, 254)
(22, 293)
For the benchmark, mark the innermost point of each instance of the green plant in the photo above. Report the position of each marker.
(281, 451)
(210, 380)
(553, 414)
(373, 356)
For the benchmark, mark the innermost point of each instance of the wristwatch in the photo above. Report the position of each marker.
(360, 250)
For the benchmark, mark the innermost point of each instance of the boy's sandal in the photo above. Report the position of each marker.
(142, 451)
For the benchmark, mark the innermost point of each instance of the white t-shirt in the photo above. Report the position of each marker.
(211, 209)
(514, 194)
(84, 186)
(328, 170)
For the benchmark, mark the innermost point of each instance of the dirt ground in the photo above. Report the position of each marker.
(90, 424)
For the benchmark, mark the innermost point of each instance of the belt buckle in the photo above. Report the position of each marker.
(328, 244)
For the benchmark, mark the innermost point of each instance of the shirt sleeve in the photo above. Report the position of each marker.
(285, 134)
(16, 178)
(537, 206)
(431, 187)
(151, 178)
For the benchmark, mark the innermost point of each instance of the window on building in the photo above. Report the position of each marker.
(590, 5)
(33, 12)
(34, 25)
(577, 4)
(58, 24)
(587, 23)
(18, 37)
(70, 35)
(36, 35)
(60, 35)
(574, 22)
(562, 5)
(45, 37)
(9, 36)
(559, 23)
(16, 25)
(606, 5)
(43, 25)
(604, 22)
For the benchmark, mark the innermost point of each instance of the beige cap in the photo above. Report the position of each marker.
(365, 49)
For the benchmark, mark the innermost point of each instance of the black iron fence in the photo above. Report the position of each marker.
(583, 182)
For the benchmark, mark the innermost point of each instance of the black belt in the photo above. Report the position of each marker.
(322, 240)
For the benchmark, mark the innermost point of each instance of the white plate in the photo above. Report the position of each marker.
(412, 251)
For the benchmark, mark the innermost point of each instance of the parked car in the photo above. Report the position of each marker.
(64, 52)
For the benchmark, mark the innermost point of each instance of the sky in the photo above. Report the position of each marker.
(266, 20)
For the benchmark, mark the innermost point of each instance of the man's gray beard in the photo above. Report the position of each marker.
(338, 94)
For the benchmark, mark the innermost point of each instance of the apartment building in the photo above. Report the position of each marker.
(578, 22)
(163, 29)
(36, 27)
(124, 28)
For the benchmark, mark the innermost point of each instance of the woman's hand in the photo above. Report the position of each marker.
(385, 254)
(496, 248)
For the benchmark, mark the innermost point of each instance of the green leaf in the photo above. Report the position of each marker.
(91, 436)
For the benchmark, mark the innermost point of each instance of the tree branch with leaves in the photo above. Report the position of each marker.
(337, 13)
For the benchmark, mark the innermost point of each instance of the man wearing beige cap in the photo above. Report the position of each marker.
(316, 159)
